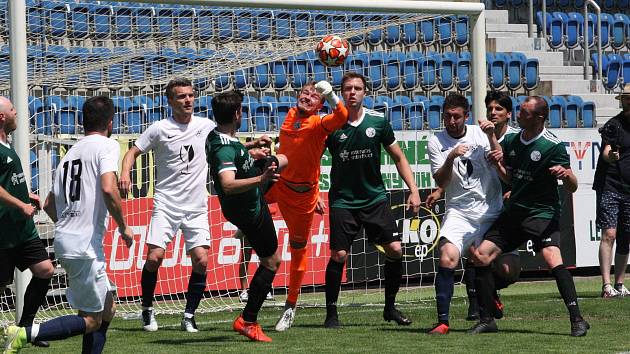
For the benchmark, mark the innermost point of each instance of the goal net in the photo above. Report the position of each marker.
(129, 51)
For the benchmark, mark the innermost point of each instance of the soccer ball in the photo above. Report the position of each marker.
(332, 50)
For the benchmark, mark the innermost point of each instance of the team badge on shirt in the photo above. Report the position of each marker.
(535, 155)
(370, 132)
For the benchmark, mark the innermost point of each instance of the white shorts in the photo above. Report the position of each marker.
(465, 230)
(88, 284)
(165, 223)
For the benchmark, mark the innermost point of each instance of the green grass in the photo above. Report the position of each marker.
(535, 321)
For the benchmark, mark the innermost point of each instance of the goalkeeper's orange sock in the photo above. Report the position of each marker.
(296, 274)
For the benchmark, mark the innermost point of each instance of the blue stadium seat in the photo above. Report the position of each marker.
(396, 112)
(392, 33)
(620, 25)
(263, 111)
(383, 104)
(375, 37)
(447, 72)
(496, 69)
(205, 25)
(34, 20)
(262, 76)
(357, 22)
(357, 62)
(54, 106)
(429, 69)
(427, 32)
(222, 82)
(79, 21)
(445, 30)
(165, 21)
(573, 23)
(516, 107)
(555, 28)
(241, 79)
(244, 25)
(225, 25)
(317, 68)
(461, 31)
(38, 122)
(336, 75)
(572, 111)
(203, 106)
(555, 112)
(607, 21)
(56, 18)
(263, 22)
(588, 114)
(302, 23)
(122, 24)
(143, 20)
(184, 23)
(298, 68)
(434, 112)
(137, 113)
(339, 23)
(121, 108)
(416, 112)
(249, 104)
(374, 70)
(118, 71)
(411, 69)
(321, 24)
(410, 33)
(625, 69)
(462, 73)
(368, 102)
(531, 74)
(75, 103)
(515, 69)
(34, 172)
(611, 69)
(282, 25)
(282, 108)
(592, 19)
(161, 108)
(74, 61)
(279, 72)
(102, 21)
(394, 70)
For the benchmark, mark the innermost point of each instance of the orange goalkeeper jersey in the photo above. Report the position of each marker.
(303, 141)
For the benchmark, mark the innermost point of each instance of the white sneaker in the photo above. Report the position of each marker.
(623, 291)
(149, 323)
(286, 320)
(608, 291)
(243, 296)
(189, 325)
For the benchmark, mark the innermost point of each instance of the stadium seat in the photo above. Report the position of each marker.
(573, 22)
(184, 23)
(396, 113)
(611, 69)
(555, 112)
(282, 108)
(516, 107)
(339, 23)
(382, 104)
(75, 104)
(56, 18)
(368, 102)
(462, 74)
(302, 23)
(429, 69)
(461, 31)
(262, 76)
(445, 30)
(411, 68)
(447, 72)
(496, 70)
(298, 68)
(102, 21)
(54, 105)
(590, 32)
(205, 26)
(143, 20)
(607, 21)
(531, 74)
(249, 104)
(79, 21)
(619, 31)
(588, 114)
(427, 32)
(279, 72)
(122, 23)
(225, 25)
(357, 62)
(165, 24)
(375, 37)
(263, 111)
(625, 69)
(393, 70)
(336, 75)
(39, 121)
(222, 82)
(434, 112)
(138, 114)
(572, 111)
(282, 25)
(515, 69)
(203, 106)
(244, 25)
(416, 112)
(357, 22)
(161, 108)
(263, 22)
(555, 29)
(321, 24)
(241, 79)
(392, 33)
(34, 172)
(374, 71)
(34, 20)
(74, 61)
(121, 107)
(410, 33)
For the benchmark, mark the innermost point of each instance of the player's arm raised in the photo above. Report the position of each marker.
(125, 180)
(111, 196)
(402, 165)
(339, 116)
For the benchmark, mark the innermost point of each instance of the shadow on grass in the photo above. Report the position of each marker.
(201, 340)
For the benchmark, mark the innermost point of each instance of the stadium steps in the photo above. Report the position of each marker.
(556, 78)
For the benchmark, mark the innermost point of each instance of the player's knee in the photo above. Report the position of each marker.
(609, 235)
(339, 256)
(92, 323)
(44, 270)
(552, 256)
(393, 250)
(272, 263)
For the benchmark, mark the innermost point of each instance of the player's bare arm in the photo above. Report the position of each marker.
(339, 117)
(443, 175)
(434, 197)
(111, 196)
(263, 142)
(610, 155)
(49, 207)
(124, 183)
(404, 170)
(569, 181)
(232, 185)
(488, 128)
(7, 199)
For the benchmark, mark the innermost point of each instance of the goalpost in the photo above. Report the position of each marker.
(62, 52)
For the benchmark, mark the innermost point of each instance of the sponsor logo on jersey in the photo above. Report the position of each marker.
(344, 155)
(17, 178)
(370, 132)
(535, 155)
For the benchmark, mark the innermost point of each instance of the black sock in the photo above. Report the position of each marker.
(564, 281)
(196, 285)
(93, 343)
(334, 273)
(258, 289)
(484, 283)
(57, 328)
(148, 282)
(34, 296)
(469, 280)
(444, 285)
(618, 286)
(393, 275)
(500, 283)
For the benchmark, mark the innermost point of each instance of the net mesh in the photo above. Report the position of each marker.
(129, 51)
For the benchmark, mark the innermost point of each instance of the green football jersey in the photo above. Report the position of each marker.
(356, 180)
(16, 228)
(534, 188)
(225, 153)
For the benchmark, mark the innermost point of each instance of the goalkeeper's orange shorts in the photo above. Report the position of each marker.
(297, 208)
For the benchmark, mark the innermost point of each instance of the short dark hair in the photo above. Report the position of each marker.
(353, 75)
(176, 82)
(225, 104)
(455, 100)
(541, 108)
(98, 111)
(502, 98)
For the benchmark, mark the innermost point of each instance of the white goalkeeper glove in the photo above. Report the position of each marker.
(325, 89)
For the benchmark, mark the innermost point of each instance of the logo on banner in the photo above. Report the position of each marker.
(579, 149)
(422, 229)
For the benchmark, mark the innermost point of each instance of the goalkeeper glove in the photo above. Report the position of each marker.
(325, 89)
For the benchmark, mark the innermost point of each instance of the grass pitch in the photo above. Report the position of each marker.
(536, 321)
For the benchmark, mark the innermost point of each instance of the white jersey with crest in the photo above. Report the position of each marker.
(180, 159)
(474, 186)
(81, 211)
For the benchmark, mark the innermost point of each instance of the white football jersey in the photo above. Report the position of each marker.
(81, 211)
(180, 158)
(474, 185)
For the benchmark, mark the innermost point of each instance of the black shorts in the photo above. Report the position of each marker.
(510, 231)
(377, 220)
(21, 257)
(260, 232)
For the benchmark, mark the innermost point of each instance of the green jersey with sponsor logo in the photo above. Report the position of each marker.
(226, 153)
(534, 188)
(356, 180)
(16, 228)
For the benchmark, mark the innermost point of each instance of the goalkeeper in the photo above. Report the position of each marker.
(302, 138)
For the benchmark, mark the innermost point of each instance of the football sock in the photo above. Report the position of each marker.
(444, 285)
(296, 274)
(565, 284)
(393, 274)
(469, 280)
(334, 273)
(93, 343)
(34, 296)
(148, 282)
(56, 329)
(258, 289)
(196, 285)
(484, 283)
